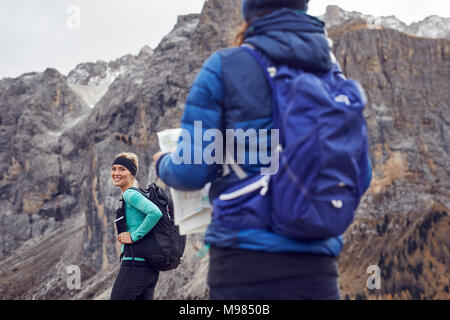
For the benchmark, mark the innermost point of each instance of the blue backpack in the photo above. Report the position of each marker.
(323, 156)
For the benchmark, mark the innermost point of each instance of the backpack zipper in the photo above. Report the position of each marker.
(119, 219)
(262, 184)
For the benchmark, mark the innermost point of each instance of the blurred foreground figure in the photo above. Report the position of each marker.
(275, 233)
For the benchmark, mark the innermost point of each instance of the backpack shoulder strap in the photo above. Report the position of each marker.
(229, 161)
(270, 70)
(141, 191)
(138, 190)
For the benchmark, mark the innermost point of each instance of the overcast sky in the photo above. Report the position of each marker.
(60, 34)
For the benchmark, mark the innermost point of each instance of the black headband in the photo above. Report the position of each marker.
(127, 163)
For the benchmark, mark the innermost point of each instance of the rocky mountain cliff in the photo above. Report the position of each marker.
(402, 225)
(92, 80)
(431, 27)
(61, 134)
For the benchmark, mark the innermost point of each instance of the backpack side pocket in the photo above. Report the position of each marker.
(244, 206)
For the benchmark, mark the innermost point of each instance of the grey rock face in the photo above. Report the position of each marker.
(434, 27)
(90, 81)
(104, 73)
(36, 109)
(406, 81)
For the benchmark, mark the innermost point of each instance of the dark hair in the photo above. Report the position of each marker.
(243, 28)
(240, 35)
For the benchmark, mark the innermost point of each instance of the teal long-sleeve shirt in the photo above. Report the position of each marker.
(141, 216)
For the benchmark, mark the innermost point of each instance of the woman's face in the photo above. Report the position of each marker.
(120, 175)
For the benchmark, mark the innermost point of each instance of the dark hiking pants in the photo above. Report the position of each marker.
(136, 282)
(308, 287)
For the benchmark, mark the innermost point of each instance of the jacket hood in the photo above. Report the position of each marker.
(292, 38)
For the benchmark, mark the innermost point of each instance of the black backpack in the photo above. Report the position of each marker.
(162, 247)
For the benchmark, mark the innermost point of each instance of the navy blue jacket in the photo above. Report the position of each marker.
(231, 92)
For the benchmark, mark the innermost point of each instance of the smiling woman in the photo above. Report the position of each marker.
(123, 171)
(136, 279)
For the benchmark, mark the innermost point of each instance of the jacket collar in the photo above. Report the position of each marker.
(292, 38)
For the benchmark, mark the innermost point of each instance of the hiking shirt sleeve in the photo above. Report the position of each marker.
(203, 113)
(140, 203)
